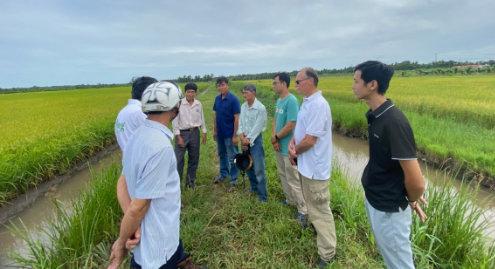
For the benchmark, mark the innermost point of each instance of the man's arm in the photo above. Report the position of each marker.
(413, 179)
(215, 126)
(286, 129)
(306, 143)
(235, 139)
(123, 194)
(130, 223)
(236, 123)
(258, 127)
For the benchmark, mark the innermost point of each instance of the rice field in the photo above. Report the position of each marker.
(233, 230)
(46, 133)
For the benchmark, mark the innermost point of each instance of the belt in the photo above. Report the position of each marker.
(189, 129)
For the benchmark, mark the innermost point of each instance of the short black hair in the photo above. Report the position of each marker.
(311, 73)
(249, 87)
(222, 79)
(375, 70)
(284, 77)
(139, 85)
(191, 86)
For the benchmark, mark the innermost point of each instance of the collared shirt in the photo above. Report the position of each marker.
(390, 140)
(225, 108)
(252, 120)
(190, 116)
(150, 169)
(127, 122)
(286, 111)
(315, 119)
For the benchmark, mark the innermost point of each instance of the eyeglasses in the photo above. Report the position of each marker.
(301, 80)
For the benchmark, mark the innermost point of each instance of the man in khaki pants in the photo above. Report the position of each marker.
(311, 149)
(284, 122)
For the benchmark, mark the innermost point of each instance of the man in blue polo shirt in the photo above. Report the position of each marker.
(392, 179)
(225, 125)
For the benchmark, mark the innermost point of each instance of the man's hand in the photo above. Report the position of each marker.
(417, 208)
(134, 240)
(235, 140)
(117, 255)
(274, 139)
(203, 138)
(180, 141)
(245, 141)
(276, 146)
(292, 151)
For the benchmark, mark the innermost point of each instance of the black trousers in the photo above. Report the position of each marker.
(178, 256)
(192, 143)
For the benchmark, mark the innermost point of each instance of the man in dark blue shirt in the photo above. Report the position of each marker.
(392, 179)
(225, 125)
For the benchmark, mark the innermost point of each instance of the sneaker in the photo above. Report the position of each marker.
(187, 263)
(302, 219)
(233, 187)
(323, 264)
(218, 179)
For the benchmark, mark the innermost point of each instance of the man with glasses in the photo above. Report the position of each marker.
(225, 125)
(312, 148)
(284, 122)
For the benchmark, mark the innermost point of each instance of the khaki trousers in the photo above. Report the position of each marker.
(317, 197)
(291, 184)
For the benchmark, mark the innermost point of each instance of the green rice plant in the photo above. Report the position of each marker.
(51, 131)
(453, 235)
(76, 234)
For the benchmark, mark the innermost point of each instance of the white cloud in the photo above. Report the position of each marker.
(69, 42)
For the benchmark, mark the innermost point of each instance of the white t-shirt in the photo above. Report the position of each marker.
(314, 118)
(128, 120)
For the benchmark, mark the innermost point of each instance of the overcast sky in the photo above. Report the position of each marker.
(85, 42)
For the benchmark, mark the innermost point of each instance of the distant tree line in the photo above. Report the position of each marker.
(62, 87)
(404, 68)
(407, 68)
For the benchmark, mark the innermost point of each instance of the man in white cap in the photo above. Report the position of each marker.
(153, 187)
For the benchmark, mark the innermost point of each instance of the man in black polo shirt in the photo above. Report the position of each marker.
(392, 179)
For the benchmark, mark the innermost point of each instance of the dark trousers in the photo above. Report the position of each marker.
(178, 256)
(191, 145)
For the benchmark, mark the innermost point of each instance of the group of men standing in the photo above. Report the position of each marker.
(149, 187)
(305, 135)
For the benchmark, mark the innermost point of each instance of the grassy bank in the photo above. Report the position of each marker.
(453, 118)
(46, 133)
(234, 230)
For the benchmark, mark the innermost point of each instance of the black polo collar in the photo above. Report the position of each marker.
(370, 115)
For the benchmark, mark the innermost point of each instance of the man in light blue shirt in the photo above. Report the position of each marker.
(153, 187)
(252, 123)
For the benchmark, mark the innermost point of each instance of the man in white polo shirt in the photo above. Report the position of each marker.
(311, 149)
(129, 119)
(131, 116)
(153, 187)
